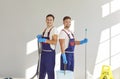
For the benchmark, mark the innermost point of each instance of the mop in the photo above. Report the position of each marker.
(38, 64)
(86, 55)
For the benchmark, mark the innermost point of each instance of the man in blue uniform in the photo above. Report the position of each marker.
(67, 44)
(48, 41)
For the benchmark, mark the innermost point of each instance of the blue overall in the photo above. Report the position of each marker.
(69, 51)
(47, 63)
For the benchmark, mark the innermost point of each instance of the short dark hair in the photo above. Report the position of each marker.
(66, 17)
(50, 15)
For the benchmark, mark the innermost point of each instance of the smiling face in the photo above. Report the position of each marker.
(67, 22)
(49, 21)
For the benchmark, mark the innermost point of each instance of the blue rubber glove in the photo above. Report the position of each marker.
(42, 40)
(39, 36)
(64, 58)
(85, 40)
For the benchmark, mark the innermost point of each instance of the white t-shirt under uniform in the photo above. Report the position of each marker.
(63, 35)
(52, 32)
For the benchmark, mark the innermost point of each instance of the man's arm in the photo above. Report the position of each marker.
(83, 41)
(77, 42)
(62, 45)
(54, 39)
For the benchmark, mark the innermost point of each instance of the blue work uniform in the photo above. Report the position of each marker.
(47, 63)
(69, 51)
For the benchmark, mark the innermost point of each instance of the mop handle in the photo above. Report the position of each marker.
(65, 68)
(85, 32)
(38, 64)
(85, 55)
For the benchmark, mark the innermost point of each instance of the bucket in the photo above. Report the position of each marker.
(64, 75)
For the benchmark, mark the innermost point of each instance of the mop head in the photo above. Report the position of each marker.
(61, 74)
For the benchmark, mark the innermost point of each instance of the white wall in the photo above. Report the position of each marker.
(22, 20)
(116, 73)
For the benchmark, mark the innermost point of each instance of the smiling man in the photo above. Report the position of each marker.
(48, 41)
(67, 45)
